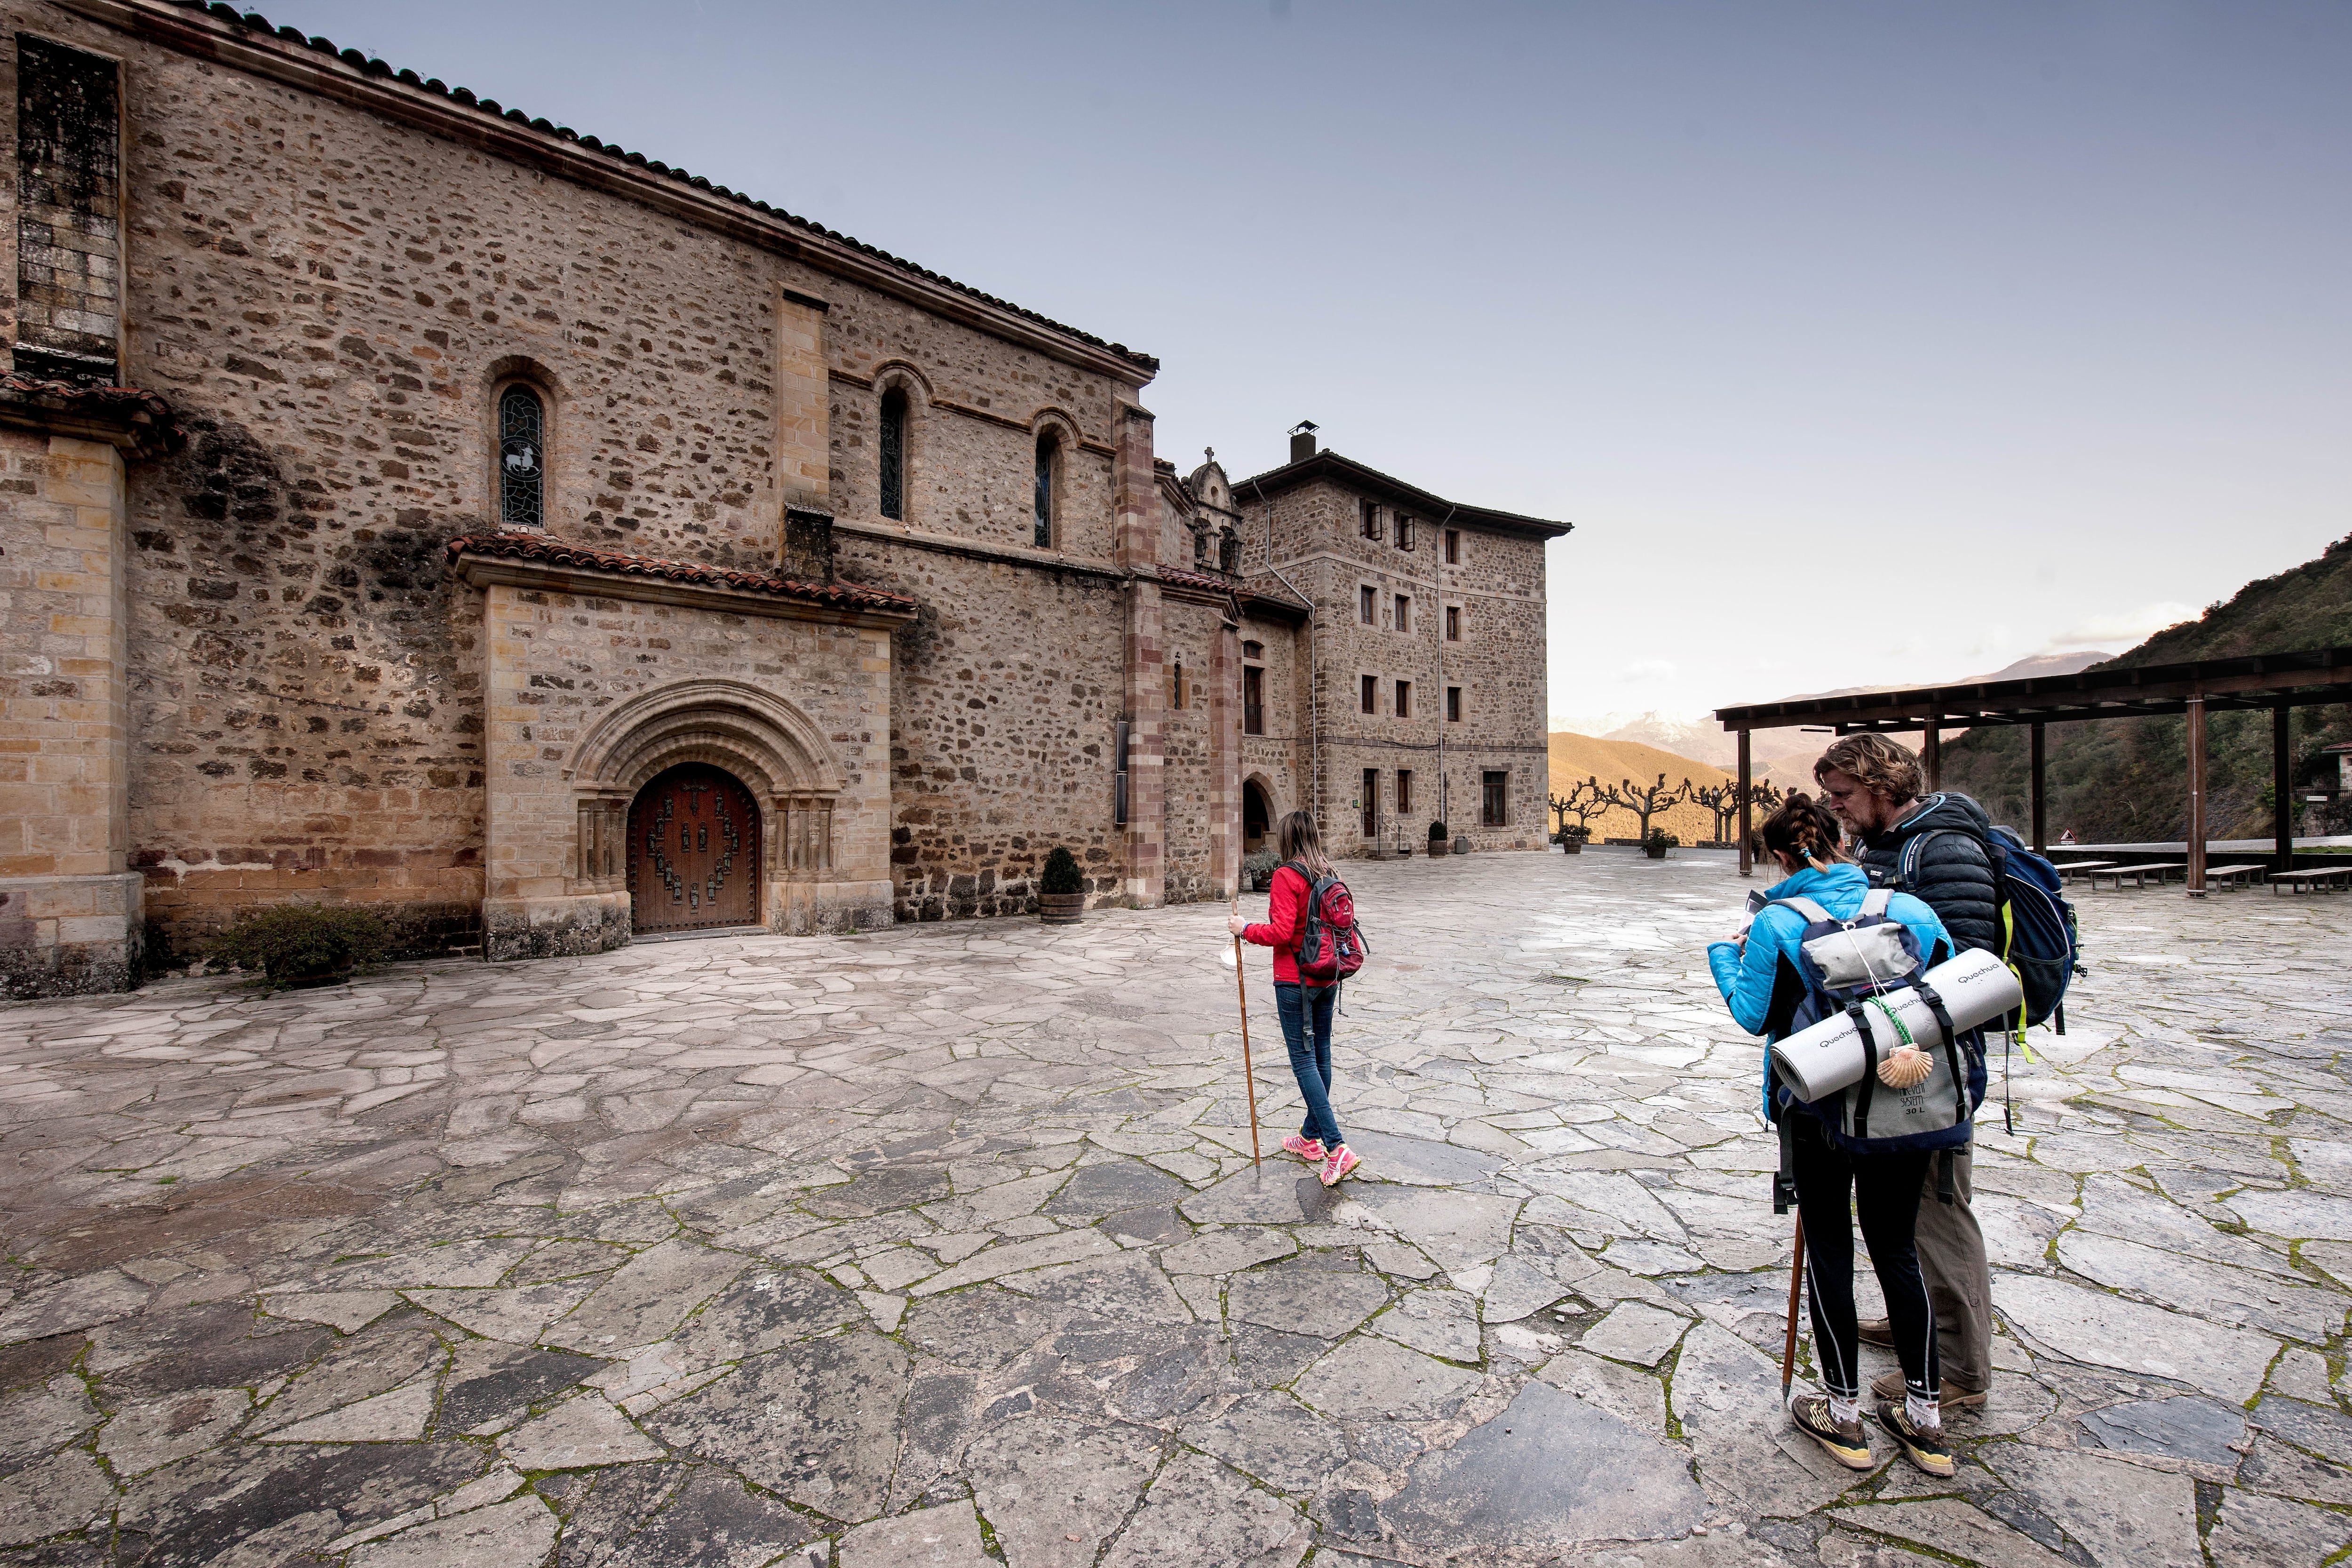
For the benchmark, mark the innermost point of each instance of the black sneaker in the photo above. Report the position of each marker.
(1924, 1447)
(1847, 1444)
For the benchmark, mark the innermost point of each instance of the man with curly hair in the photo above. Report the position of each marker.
(1872, 785)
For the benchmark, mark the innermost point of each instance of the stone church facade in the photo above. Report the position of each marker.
(412, 503)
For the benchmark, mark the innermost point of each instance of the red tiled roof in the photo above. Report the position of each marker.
(144, 413)
(556, 553)
(368, 66)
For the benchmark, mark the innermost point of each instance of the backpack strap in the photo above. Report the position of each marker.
(1814, 914)
(1860, 1017)
(1874, 902)
(1935, 1001)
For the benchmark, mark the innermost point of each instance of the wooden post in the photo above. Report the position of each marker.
(1746, 863)
(1931, 756)
(2196, 796)
(2282, 790)
(2040, 801)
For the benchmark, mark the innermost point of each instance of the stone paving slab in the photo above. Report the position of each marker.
(941, 1246)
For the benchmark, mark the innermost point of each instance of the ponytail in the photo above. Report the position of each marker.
(1804, 828)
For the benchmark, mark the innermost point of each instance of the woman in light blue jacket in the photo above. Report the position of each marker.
(1762, 982)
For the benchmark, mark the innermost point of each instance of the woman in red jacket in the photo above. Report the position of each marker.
(1306, 1011)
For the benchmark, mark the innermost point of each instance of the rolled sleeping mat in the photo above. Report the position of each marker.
(1815, 1063)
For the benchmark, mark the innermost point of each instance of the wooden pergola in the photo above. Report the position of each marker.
(2276, 681)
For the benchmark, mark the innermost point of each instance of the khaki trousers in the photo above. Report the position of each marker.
(1960, 1280)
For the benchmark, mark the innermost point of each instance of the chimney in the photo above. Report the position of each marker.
(1302, 440)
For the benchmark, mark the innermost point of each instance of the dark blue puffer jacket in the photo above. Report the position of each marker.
(1954, 876)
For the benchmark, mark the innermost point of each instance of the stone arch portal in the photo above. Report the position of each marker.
(1258, 816)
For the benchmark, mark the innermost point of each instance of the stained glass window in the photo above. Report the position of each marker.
(894, 455)
(523, 461)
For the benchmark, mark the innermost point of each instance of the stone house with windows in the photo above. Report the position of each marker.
(411, 502)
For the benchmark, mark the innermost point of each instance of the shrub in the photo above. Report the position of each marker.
(1258, 866)
(1436, 831)
(1061, 873)
(295, 942)
(1660, 835)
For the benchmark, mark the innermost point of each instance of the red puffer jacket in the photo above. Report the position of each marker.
(1286, 923)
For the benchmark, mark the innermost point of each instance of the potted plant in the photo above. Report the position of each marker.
(301, 944)
(1462, 844)
(1436, 839)
(1573, 840)
(1061, 891)
(1659, 841)
(1258, 869)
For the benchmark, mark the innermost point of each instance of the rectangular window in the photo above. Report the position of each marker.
(1404, 700)
(1404, 613)
(1253, 700)
(69, 214)
(1403, 532)
(1453, 623)
(1495, 800)
(1367, 607)
(1372, 802)
(1404, 791)
(1372, 520)
(1253, 650)
(1454, 547)
(1453, 705)
(1372, 694)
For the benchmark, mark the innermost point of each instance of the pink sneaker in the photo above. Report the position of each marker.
(1340, 1164)
(1308, 1149)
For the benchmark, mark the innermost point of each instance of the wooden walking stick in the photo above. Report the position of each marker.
(1796, 1278)
(1241, 989)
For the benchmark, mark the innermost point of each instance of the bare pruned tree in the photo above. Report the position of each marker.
(1723, 800)
(1646, 801)
(1583, 802)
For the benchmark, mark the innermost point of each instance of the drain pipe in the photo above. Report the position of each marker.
(1439, 573)
(1314, 676)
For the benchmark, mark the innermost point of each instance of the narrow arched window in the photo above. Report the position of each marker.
(894, 454)
(522, 459)
(1049, 452)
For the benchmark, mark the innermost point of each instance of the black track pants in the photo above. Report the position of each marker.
(1833, 1188)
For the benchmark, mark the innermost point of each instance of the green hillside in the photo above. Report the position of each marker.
(2124, 779)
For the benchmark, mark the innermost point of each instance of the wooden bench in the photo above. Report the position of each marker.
(2138, 874)
(2081, 868)
(2232, 876)
(2319, 879)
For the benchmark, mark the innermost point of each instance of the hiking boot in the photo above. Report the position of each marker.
(1339, 1163)
(1308, 1149)
(1955, 1397)
(1924, 1446)
(1875, 1331)
(1847, 1444)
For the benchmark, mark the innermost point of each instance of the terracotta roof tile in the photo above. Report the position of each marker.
(556, 553)
(368, 66)
(145, 414)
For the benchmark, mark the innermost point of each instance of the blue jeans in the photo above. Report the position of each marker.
(1303, 1010)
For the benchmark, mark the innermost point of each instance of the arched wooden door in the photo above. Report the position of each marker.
(694, 852)
(1255, 817)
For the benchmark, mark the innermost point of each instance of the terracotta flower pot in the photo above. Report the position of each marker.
(1061, 908)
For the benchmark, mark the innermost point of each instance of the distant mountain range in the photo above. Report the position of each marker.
(1778, 754)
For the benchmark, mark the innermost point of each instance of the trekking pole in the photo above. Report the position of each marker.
(1796, 1277)
(1249, 1077)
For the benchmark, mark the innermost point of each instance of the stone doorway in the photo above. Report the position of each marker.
(694, 852)
(1257, 818)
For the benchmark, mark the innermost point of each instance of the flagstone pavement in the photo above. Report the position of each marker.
(943, 1245)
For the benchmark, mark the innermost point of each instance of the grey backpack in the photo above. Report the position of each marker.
(1844, 965)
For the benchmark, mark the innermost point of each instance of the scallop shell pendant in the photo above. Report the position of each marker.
(1905, 1068)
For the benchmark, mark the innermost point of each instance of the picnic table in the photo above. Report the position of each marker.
(2319, 879)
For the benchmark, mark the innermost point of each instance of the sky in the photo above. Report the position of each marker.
(1862, 343)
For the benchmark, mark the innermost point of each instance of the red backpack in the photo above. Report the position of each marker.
(1332, 946)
